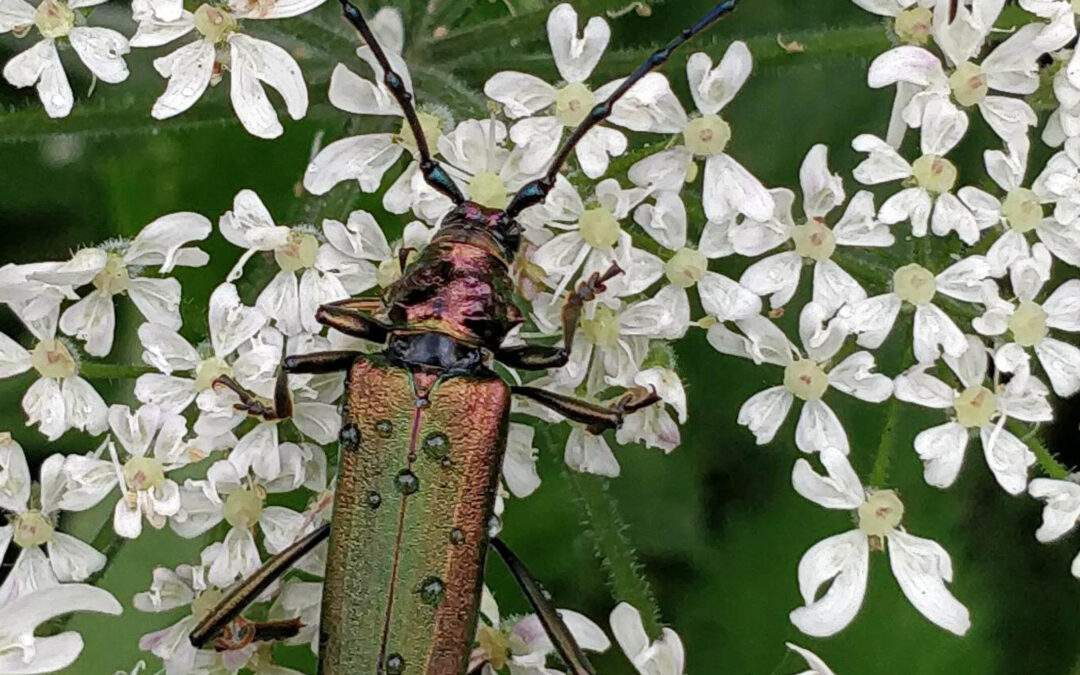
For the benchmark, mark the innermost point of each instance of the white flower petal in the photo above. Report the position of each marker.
(1062, 511)
(1061, 361)
(922, 567)
(916, 386)
(854, 375)
(841, 489)
(40, 65)
(1008, 458)
(255, 61)
(730, 187)
(818, 428)
(935, 333)
(764, 412)
(776, 276)
(843, 559)
(590, 454)
(713, 88)
(576, 54)
(521, 94)
(941, 449)
(102, 50)
(188, 70)
(231, 322)
(726, 299)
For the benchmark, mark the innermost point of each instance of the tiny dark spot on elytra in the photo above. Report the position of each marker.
(384, 428)
(349, 436)
(406, 482)
(436, 445)
(395, 664)
(374, 499)
(431, 590)
(457, 537)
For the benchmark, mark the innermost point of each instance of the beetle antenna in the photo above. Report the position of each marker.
(537, 191)
(433, 172)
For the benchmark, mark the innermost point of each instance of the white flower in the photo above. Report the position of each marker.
(722, 298)
(817, 666)
(807, 378)
(1062, 511)
(1059, 183)
(519, 465)
(930, 201)
(522, 644)
(47, 557)
(591, 239)
(302, 599)
(367, 157)
(921, 566)
(21, 652)
(146, 491)
(1022, 210)
(728, 187)
(1010, 68)
(59, 400)
(653, 425)
(481, 163)
(235, 491)
(117, 268)
(359, 255)
(814, 240)
(935, 332)
(976, 405)
(35, 303)
(101, 50)
(546, 113)
(219, 47)
(664, 656)
(1027, 323)
(231, 324)
(290, 300)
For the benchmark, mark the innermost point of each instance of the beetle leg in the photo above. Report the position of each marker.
(354, 317)
(240, 633)
(217, 625)
(539, 357)
(319, 363)
(280, 409)
(556, 629)
(596, 417)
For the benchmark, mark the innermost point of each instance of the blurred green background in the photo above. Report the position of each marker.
(717, 527)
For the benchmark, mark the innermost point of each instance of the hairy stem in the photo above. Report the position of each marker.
(1049, 464)
(605, 527)
(112, 371)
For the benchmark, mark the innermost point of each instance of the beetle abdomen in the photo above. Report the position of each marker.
(416, 487)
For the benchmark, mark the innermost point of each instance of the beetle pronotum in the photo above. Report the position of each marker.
(424, 431)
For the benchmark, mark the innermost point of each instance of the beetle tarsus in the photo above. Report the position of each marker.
(596, 418)
(250, 402)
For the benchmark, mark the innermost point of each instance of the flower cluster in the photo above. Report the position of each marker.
(992, 328)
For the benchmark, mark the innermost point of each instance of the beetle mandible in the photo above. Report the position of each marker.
(424, 432)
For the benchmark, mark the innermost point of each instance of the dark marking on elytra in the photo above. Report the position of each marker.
(406, 482)
(395, 664)
(436, 445)
(374, 500)
(384, 428)
(431, 590)
(349, 437)
(457, 537)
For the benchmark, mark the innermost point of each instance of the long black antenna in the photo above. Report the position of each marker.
(434, 174)
(537, 191)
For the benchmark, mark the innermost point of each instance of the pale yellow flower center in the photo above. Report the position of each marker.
(1022, 210)
(975, 407)
(881, 513)
(32, 529)
(968, 84)
(573, 104)
(51, 358)
(814, 240)
(143, 473)
(488, 189)
(298, 253)
(603, 328)
(915, 284)
(214, 23)
(1076, 6)
(686, 267)
(430, 124)
(599, 227)
(243, 507)
(934, 174)
(54, 19)
(806, 380)
(113, 278)
(209, 370)
(495, 645)
(1028, 324)
(205, 602)
(389, 271)
(707, 136)
(914, 25)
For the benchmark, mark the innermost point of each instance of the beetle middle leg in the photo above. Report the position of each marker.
(597, 418)
(542, 357)
(281, 408)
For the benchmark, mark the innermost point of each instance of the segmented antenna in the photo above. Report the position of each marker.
(433, 172)
(537, 191)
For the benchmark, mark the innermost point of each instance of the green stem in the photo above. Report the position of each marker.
(607, 530)
(112, 371)
(883, 459)
(1050, 465)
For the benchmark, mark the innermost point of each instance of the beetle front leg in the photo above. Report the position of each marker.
(354, 317)
(281, 407)
(540, 357)
(597, 418)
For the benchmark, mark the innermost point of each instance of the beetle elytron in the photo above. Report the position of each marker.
(424, 432)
